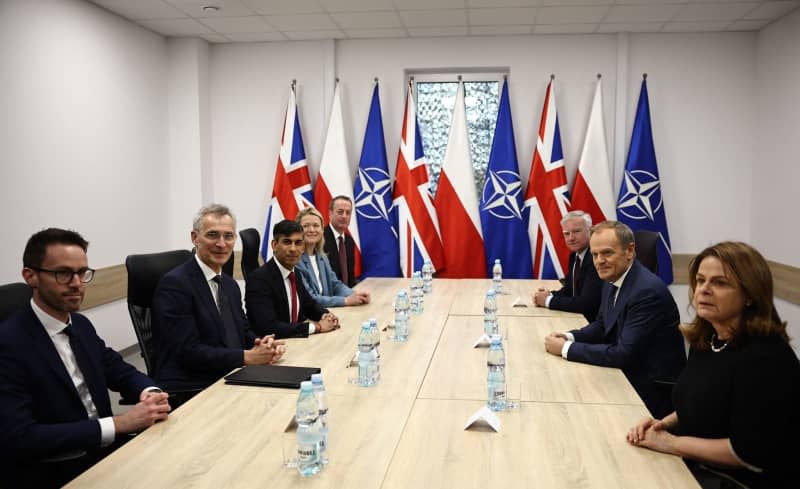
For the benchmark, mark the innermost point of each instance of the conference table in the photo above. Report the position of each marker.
(568, 429)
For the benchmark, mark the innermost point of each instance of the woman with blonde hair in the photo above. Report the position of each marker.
(737, 401)
(315, 269)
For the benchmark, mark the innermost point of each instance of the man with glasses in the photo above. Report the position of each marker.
(200, 331)
(55, 372)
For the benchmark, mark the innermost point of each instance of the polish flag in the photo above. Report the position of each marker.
(456, 203)
(335, 177)
(592, 191)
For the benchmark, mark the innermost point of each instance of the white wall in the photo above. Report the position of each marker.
(776, 163)
(83, 133)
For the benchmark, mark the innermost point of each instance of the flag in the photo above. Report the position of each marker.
(504, 232)
(373, 201)
(641, 203)
(592, 191)
(546, 198)
(417, 224)
(457, 203)
(291, 189)
(334, 176)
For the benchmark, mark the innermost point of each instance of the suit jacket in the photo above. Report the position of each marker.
(638, 334)
(41, 413)
(332, 250)
(268, 305)
(333, 290)
(188, 330)
(586, 299)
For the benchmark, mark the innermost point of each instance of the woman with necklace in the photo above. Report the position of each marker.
(736, 403)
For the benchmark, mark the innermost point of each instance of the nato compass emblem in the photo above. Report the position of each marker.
(501, 194)
(642, 197)
(371, 200)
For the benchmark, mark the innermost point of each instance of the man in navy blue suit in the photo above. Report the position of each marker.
(55, 372)
(636, 328)
(582, 289)
(200, 331)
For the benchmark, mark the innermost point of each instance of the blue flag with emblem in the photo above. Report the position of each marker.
(641, 203)
(373, 201)
(505, 233)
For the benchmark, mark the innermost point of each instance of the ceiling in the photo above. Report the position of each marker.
(293, 20)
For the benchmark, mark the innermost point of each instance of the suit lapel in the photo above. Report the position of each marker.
(47, 351)
(280, 289)
(203, 291)
(622, 297)
(95, 382)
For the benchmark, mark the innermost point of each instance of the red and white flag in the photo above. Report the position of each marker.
(546, 199)
(335, 177)
(417, 223)
(592, 191)
(457, 203)
(291, 190)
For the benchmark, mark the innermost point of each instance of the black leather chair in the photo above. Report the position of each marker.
(647, 249)
(227, 268)
(251, 242)
(12, 297)
(144, 272)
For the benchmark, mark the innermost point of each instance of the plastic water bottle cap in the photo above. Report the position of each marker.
(316, 378)
(305, 385)
(365, 325)
(491, 292)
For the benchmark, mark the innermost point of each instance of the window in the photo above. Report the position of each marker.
(435, 96)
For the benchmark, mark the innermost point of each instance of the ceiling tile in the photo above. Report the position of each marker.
(215, 38)
(641, 13)
(432, 18)
(283, 7)
(771, 10)
(255, 36)
(499, 30)
(367, 20)
(501, 16)
(375, 33)
(696, 12)
(429, 4)
(630, 27)
(176, 27)
(708, 26)
(747, 25)
(227, 8)
(227, 25)
(315, 35)
(570, 15)
(301, 22)
(565, 29)
(505, 3)
(356, 5)
(437, 31)
(142, 9)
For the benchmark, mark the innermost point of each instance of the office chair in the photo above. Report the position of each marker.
(144, 272)
(251, 241)
(647, 249)
(227, 268)
(12, 297)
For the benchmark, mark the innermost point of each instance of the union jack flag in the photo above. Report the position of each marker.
(291, 190)
(546, 197)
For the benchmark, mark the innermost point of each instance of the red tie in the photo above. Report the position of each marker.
(294, 296)
(343, 261)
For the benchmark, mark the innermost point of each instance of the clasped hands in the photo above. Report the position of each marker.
(554, 343)
(357, 298)
(152, 406)
(266, 350)
(540, 297)
(652, 433)
(328, 322)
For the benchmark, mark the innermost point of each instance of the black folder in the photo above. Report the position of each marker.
(271, 376)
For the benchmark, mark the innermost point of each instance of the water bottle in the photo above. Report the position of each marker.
(490, 326)
(401, 316)
(322, 402)
(497, 276)
(427, 277)
(308, 434)
(366, 357)
(416, 293)
(375, 341)
(496, 378)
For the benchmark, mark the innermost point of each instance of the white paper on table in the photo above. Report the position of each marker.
(487, 416)
(519, 302)
(482, 342)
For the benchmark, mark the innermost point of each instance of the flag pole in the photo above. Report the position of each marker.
(644, 76)
(599, 76)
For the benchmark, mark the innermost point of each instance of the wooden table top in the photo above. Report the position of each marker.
(407, 431)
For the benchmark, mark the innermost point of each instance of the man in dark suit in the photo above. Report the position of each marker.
(582, 288)
(277, 302)
(336, 236)
(200, 332)
(636, 328)
(55, 372)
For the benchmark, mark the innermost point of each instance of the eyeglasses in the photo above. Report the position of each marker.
(65, 276)
(215, 235)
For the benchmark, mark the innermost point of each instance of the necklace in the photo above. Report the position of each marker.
(717, 349)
